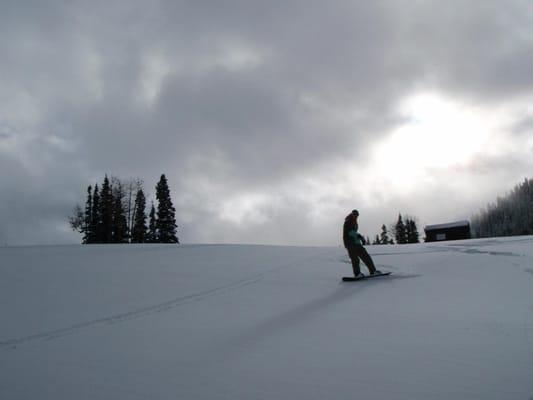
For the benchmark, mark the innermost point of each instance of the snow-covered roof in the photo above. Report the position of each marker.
(456, 224)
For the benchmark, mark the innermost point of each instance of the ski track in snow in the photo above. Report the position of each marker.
(490, 253)
(145, 311)
(122, 317)
(171, 304)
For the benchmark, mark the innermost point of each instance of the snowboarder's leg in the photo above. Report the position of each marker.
(352, 252)
(366, 259)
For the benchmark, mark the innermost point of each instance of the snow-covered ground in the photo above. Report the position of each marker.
(454, 321)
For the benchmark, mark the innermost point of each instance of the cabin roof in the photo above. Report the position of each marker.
(456, 224)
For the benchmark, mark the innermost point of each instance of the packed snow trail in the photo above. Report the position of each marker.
(455, 320)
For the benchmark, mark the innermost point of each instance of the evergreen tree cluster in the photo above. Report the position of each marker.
(383, 238)
(508, 216)
(110, 217)
(406, 232)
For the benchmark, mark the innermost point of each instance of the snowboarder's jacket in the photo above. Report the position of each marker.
(350, 236)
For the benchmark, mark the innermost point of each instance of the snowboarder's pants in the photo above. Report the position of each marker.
(357, 251)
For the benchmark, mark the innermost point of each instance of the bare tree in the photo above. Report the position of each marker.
(132, 186)
(77, 219)
(128, 191)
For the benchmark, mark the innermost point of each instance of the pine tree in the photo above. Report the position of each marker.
(407, 225)
(139, 231)
(377, 240)
(96, 234)
(120, 224)
(106, 207)
(166, 220)
(87, 217)
(384, 237)
(151, 237)
(411, 231)
(400, 231)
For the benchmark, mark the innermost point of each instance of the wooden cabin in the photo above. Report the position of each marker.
(451, 231)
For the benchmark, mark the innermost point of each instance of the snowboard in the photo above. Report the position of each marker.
(352, 278)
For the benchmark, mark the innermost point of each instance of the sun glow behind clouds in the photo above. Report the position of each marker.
(438, 134)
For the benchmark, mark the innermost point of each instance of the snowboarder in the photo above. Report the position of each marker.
(353, 242)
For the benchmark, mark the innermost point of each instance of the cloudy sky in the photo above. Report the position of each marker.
(271, 119)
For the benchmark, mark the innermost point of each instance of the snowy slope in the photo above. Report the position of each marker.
(454, 321)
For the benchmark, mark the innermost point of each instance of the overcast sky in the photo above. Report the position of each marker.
(271, 119)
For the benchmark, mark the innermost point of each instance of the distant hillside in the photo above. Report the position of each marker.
(510, 215)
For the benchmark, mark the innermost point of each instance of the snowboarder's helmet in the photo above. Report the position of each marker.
(355, 213)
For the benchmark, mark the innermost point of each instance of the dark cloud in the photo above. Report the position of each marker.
(522, 127)
(252, 105)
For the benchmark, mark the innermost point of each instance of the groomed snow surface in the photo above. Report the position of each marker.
(454, 321)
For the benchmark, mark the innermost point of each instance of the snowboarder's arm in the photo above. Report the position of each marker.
(355, 236)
